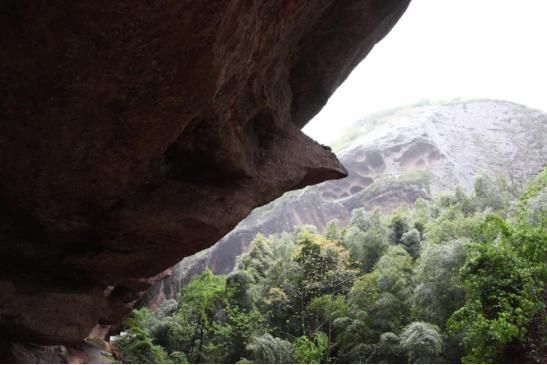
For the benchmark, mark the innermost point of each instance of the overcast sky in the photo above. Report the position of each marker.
(446, 49)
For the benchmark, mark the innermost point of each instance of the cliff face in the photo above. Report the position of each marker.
(133, 134)
(392, 158)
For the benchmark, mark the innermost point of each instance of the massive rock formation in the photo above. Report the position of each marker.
(392, 157)
(135, 133)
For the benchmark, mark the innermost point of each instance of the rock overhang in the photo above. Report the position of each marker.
(136, 133)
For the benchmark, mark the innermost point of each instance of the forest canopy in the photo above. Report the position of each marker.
(460, 278)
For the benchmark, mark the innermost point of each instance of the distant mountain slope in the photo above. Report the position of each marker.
(395, 157)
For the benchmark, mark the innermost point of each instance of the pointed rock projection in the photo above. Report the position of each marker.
(135, 133)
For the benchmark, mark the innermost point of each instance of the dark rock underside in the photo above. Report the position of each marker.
(135, 133)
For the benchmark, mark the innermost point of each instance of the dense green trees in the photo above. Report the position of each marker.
(460, 278)
(504, 277)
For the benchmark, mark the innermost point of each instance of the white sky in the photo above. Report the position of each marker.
(446, 49)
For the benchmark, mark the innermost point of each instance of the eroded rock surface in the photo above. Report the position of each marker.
(392, 158)
(135, 133)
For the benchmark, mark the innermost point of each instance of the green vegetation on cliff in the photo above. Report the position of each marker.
(460, 278)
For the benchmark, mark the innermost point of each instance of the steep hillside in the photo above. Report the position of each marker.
(395, 157)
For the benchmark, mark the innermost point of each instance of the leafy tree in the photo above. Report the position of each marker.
(366, 247)
(178, 357)
(489, 194)
(333, 231)
(439, 291)
(231, 335)
(500, 300)
(138, 348)
(136, 343)
(167, 308)
(398, 226)
(282, 272)
(266, 349)
(422, 342)
(310, 350)
(361, 219)
(467, 204)
(278, 309)
(395, 271)
(256, 261)
(481, 186)
(356, 332)
(452, 224)
(162, 333)
(389, 350)
(504, 295)
(325, 267)
(324, 311)
(536, 210)
(199, 302)
(238, 290)
(411, 242)
(352, 339)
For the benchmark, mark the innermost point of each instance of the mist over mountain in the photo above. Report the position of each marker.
(393, 157)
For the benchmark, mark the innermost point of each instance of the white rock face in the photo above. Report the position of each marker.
(456, 141)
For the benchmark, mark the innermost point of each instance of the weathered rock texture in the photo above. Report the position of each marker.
(392, 158)
(134, 133)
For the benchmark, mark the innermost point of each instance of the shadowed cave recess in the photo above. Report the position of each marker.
(134, 134)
